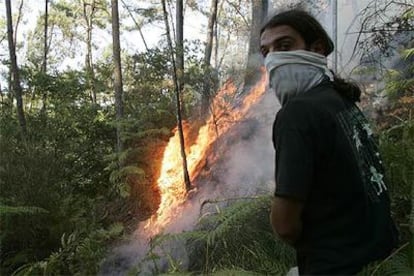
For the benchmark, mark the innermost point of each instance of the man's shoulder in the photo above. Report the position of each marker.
(321, 94)
(321, 99)
(297, 114)
(310, 102)
(316, 106)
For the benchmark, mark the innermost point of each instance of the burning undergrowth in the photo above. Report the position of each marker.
(230, 158)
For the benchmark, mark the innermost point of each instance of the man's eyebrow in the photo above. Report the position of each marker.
(278, 39)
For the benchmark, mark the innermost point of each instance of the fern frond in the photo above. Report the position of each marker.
(146, 133)
(398, 263)
(37, 268)
(119, 175)
(21, 210)
(80, 253)
(131, 170)
(407, 53)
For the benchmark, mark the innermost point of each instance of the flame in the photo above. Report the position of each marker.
(170, 182)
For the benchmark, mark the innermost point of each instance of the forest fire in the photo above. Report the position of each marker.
(223, 116)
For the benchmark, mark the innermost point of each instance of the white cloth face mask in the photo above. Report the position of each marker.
(294, 72)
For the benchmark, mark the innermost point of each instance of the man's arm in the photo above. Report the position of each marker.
(285, 217)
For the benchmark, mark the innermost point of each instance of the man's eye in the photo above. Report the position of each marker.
(284, 47)
(264, 51)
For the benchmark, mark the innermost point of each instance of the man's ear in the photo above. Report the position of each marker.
(318, 47)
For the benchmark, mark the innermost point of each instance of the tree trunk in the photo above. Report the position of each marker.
(219, 60)
(259, 12)
(18, 19)
(1, 96)
(216, 51)
(44, 65)
(205, 102)
(180, 85)
(88, 59)
(119, 106)
(9, 76)
(178, 69)
(136, 24)
(17, 89)
(45, 50)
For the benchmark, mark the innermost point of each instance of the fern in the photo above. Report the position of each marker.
(80, 253)
(237, 238)
(21, 210)
(129, 170)
(397, 263)
(407, 53)
(146, 133)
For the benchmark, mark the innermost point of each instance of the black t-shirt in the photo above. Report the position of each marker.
(327, 158)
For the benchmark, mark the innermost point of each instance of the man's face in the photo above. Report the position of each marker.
(281, 38)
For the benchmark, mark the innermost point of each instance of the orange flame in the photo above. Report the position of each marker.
(170, 182)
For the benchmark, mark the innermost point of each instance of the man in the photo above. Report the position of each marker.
(331, 202)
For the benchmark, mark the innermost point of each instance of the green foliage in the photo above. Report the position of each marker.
(397, 263)
(80, 253)
(59, 169)
(149, 101)
(67, 167)
(398, 83)
(151, 91)
(397, 148)
(397, 145)
(234, 239)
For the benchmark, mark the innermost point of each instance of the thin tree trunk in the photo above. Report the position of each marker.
(207, 58)
(236, 7)
(216, 48)
(45, 50)
(44, 65)
(136, 24)
(180, 84)
(174, 32)
(119, 106)
(17, 89)
(88, 59)
(9, 76)
(178, 69)
(10, 86)
(1, 95)
(18, 19)
(259, 12)
(219, 61)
